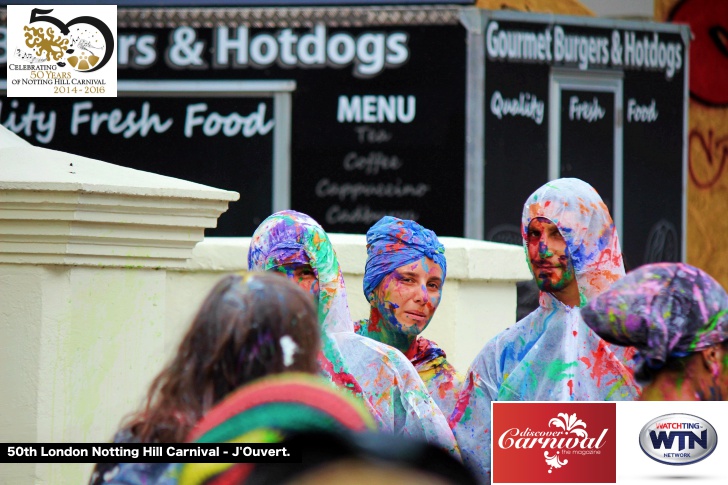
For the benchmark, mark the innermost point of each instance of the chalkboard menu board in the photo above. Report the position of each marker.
(219, 141)
(587, 120)
(392, 145)
(653, 169)
(516, 145)
(377, 114)
(626, 140)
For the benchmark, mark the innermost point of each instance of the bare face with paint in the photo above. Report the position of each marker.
(408, 297)
(303, 275)
(549, 258)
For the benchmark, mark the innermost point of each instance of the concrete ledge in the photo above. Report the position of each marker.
(466, 258)
(34, 168)
(58, 208)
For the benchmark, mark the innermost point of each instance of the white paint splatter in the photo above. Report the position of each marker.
(289, 348)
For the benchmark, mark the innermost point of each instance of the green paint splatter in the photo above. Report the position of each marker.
(617, 385)
(712, 324)
(557, 370)
(467, 415)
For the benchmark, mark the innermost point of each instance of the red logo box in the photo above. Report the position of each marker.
(554, 442)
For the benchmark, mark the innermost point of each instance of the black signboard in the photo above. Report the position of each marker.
(653, 168)
(223, 142)
(388, 145)
(626, 140)
(587, 120)
(377, 118)
(516, 145)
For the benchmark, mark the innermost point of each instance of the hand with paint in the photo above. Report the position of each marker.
(676, 316)
(574, 254)
(403, 280)
(248, 327)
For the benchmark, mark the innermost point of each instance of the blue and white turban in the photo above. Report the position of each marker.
(394, 242)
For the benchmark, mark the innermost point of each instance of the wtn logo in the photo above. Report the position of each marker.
(666, 438)
(678, 439)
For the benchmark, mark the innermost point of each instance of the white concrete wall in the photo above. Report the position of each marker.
(80, 344)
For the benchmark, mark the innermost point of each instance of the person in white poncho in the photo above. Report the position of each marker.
(551, 355)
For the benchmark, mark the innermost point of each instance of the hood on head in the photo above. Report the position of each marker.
(587, 227)
(289, 236)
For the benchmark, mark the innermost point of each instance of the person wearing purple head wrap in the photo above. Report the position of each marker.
(676, 316)
(403, 280)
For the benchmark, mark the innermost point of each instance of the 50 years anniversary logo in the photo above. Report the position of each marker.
(61, 50)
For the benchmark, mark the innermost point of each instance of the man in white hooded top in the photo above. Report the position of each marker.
(551, 355)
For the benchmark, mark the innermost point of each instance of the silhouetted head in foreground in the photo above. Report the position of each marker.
(247, 327)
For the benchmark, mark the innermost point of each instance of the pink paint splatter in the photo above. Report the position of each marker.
(463, 402)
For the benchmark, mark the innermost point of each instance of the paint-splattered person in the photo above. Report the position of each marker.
(295, 244)
(247, 328)
(676, 316)
(551, 355)
(403, 280)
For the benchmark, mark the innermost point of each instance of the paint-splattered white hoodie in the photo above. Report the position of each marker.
(550, 355)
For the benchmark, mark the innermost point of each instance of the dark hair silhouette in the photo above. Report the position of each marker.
(247, 328)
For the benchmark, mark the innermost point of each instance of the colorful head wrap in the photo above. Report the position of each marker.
(584, 221)
(394, 242)
(267, 411)
(290, 236)
(665, 310)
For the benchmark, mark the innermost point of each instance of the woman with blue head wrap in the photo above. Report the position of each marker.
(403, 280)
(676, 316)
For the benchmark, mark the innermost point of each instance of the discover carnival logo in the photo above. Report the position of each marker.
(678, 439)
(573, 439)
(560, 442)
(61, 51)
